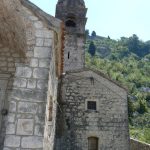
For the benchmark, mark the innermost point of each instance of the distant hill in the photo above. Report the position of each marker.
(127, 61)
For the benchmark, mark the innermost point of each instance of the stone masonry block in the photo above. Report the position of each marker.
(48, 42)
(38, 24)
(44, 63)
(42, 84)
(25, 126)
(12, 106)
(39, 42)
(20, 82)
(29, 95)
(44, 33)
(34, 62)
(23, 72)
(26, 107)
(12, 141)
(11, 117)
(10, 129)
(42, 52)
(31, 83)
(40, 73)
(39, 130)
(32, 142)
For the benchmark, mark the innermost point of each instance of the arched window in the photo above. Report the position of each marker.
(70, 23)
(92, 143)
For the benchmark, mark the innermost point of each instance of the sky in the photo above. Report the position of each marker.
(114, 18)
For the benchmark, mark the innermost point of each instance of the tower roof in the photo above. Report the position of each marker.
(72, 3)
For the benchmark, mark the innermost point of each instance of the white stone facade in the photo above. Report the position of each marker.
(31, 78)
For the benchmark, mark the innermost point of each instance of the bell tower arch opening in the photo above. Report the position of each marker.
(70, 23)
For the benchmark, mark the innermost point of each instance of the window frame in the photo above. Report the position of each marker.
(96, 141)
(95, 107)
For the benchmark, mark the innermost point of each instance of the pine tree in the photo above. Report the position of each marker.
(92, 48)
(93, 34)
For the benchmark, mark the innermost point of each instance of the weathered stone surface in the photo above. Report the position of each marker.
(44, 34)
(24, 72)
(29, 95)
(31, 84)
(20, 82)
(28, 71)
(34, 62)
(39, 42)
(48, 42)
(40, 73)
(38, 24)
(25, 127)
(26, 107)
(11, 117)
(12, 141)
(12, 106)
(42, 52)
(10, 129)
(42, 84)
(77, 123)
(44, 63)
(39, 130)
(32, 142)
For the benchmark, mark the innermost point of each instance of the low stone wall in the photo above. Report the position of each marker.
(138, 145)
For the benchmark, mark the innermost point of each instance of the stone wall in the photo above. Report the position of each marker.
(138, 145)
(75, 123)
(31, 80)
(74, 52)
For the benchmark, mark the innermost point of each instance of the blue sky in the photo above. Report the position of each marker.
(115, 18)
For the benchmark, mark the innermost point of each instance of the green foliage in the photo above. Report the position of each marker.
(142, 134)
(142, 108)
(131, 108)
(140, 121)
(127, 61)
(138, 47)
(92, 49)
(93, 34)
(87, 33)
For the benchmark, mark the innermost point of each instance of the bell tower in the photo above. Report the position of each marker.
(73, 14)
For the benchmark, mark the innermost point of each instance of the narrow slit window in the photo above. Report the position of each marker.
(91, 105)
(68, 55)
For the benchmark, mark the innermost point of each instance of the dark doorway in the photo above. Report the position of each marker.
(92, 143)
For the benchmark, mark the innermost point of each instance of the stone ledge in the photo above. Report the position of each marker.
(138, 145)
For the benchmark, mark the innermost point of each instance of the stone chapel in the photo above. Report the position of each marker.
(49, 100)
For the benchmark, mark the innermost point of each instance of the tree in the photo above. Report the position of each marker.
(92, 48)
(137, 46)
(133, 43)
(93, 34)
(142, 108)
(87, 33)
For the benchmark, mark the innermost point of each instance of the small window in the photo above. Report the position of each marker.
(92, 143)
(91, 105)
(70, 23)
(68, 55)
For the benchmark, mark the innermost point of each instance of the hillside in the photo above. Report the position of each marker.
(127, 61)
